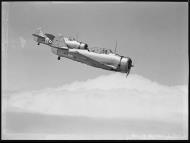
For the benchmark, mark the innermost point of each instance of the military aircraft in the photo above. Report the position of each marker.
(79, 51)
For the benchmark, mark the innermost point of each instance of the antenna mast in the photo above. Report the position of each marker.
(116, 47)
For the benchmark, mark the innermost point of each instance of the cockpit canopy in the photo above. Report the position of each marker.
(72, 39)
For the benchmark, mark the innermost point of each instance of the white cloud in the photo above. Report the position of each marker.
(108, 96)
(22, 41)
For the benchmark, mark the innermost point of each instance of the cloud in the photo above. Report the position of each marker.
(22, 41)
(107, 96)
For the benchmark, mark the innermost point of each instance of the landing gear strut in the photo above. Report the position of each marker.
(58, 58)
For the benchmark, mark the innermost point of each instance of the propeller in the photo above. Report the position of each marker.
(129, 65)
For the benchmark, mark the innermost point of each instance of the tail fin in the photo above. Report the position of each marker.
(39, 36)
(39, 32)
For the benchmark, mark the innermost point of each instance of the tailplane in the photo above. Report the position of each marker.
(39, 32)
(40, 37)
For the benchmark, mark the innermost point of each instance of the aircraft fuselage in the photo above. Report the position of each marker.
(78, 51)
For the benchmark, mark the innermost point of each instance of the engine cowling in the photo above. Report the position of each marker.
(125, 64)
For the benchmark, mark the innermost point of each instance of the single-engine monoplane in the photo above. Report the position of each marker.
(79, 51)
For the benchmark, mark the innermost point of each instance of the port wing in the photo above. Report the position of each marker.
(92, 62)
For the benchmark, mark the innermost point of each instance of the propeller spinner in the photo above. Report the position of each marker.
(129, 65)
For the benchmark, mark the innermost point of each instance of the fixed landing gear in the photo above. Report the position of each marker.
(38, 43)
(58, 58)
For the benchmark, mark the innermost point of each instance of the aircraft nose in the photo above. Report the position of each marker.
(129, 65)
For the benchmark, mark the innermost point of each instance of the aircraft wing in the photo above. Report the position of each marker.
(91, 62)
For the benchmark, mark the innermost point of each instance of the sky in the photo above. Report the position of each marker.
(49, 99)
(154, 35)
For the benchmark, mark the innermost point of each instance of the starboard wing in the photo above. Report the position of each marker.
(91, 62)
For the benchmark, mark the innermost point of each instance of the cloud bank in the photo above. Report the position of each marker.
(107, 96)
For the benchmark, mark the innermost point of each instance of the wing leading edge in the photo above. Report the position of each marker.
(91, 62)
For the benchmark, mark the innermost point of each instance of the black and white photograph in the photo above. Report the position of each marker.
(110, 70)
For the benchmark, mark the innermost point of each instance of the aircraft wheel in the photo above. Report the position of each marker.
(58, 58)
(38, 43)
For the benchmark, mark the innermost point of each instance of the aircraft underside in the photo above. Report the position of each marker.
(66, 54)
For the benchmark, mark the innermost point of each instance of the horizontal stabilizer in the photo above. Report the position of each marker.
(39, 36)
(39, 32)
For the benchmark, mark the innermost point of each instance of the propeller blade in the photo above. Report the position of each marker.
(127, 74)
(129, 66)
